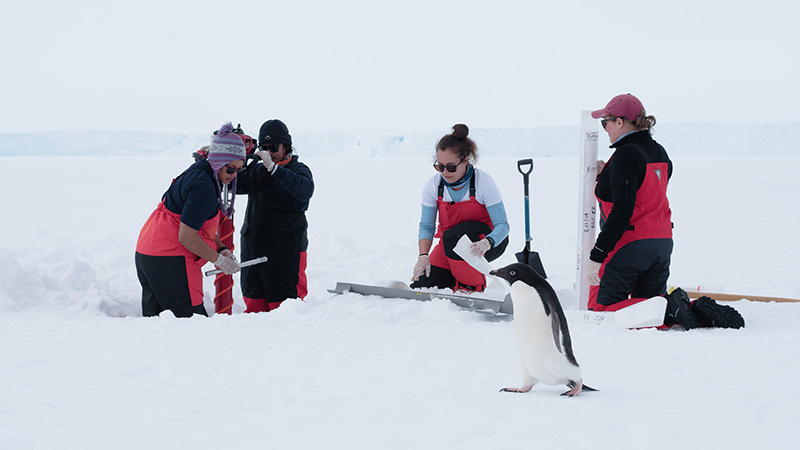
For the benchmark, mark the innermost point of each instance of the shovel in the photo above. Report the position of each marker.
(526, 256)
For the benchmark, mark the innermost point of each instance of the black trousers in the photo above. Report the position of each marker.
(639, 269)
(165, 286)
(279, 277)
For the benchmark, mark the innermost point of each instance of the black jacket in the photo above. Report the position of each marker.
(618, 183)
(277, 202)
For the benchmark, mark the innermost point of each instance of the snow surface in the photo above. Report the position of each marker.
(80, 367)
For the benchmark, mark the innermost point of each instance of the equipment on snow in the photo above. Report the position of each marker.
(734, 297)
(587, 205)
(251, 262)
(473, 301)
(526, 256)
(717, 292)
(645, 314)
(479, 263)
(223, 300)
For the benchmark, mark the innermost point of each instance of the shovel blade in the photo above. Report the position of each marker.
(532, 259)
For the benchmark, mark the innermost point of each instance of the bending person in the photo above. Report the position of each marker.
(180, 236)
(467, 202)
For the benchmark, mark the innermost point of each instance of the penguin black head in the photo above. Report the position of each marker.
(519, 272)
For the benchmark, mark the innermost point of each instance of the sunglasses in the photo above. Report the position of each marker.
(604, 122)
(450, 167)
(229, 169)
(272, 148)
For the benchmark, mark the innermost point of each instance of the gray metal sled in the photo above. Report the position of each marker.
(472, 301)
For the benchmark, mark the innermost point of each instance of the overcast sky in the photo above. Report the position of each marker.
(348, 65)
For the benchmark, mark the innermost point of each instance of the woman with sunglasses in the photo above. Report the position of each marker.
(180, 236)
(279, 189)
(631, 256)
(467, 201)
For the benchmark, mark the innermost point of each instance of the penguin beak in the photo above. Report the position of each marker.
(498, 275)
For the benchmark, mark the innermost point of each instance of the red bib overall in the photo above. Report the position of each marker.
(651, 219)
(159, 237)
(451, 214)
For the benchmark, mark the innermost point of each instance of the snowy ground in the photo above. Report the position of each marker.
(81, 369)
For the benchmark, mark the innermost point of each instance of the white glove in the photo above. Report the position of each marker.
(593, 272)
(423, 266)
(600, 165)
(227, 252)
(267, 159)
(480, 248)
(227, 263)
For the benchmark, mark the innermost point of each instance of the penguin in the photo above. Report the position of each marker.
(543, 342)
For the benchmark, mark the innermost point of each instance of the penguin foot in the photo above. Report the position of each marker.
(576, 388)
(573, 392)
(521, 390)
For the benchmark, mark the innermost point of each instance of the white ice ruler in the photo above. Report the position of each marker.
(587, 205)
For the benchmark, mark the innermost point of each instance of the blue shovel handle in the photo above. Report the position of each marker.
(525, 174)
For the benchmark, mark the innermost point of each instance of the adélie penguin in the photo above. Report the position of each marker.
(543, 341)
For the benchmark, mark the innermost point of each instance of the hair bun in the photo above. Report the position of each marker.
(460, 131)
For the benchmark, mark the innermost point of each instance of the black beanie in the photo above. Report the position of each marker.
(274, 132)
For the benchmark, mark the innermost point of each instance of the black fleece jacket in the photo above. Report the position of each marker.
(619, 182)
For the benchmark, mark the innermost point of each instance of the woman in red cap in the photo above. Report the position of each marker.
(631, 256)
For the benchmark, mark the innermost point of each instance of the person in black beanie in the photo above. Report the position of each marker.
(279, 189)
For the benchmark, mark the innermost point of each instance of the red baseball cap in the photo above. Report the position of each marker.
(623, 105)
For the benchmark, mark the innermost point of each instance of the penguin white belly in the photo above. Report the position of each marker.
(536, 346)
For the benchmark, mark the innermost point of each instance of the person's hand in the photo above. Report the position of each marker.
(423, 266)
(593, 272)
(480, 248)
(600, 165)
(267, 159)
(227, 264)
(227, 252)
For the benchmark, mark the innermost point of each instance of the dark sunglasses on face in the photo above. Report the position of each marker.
(604, 122)
(450, 167)
(272, 148)
(229, 169)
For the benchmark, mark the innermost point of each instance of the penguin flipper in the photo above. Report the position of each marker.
(556, 325)
(558, 321)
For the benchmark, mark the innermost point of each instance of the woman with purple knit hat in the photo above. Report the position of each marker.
(180, 236)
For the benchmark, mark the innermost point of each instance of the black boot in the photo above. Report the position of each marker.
(679, 311)
(712, 314)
